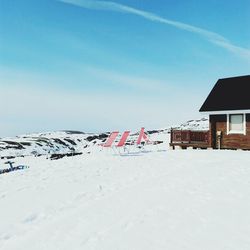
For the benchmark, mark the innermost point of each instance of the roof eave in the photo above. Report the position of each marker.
(215, 112)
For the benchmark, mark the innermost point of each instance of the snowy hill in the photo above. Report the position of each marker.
(70, 142)
(48, 143)
(200, 124)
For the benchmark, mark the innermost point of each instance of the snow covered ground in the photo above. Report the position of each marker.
(151, 200)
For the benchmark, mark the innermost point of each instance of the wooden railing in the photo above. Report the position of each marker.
(189, 136)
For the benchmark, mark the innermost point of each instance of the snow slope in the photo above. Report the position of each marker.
(46, 143)
(200, 124)
(63, 142)
(150, 200)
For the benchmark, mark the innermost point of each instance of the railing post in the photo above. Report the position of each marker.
(171, 135)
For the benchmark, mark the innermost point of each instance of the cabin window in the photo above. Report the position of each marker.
(236, 124)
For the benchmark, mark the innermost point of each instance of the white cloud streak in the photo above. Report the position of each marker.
(129, 81)
(212, 37)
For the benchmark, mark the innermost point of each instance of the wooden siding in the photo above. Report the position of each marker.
(231, 141)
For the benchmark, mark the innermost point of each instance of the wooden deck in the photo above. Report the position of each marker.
(189, 138)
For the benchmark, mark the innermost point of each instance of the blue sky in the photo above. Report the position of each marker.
(97, 65)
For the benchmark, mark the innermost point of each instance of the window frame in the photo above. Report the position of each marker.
(243, 132)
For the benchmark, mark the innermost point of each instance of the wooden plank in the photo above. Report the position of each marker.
(231, 141)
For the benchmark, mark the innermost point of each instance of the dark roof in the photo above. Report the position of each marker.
(229, 94)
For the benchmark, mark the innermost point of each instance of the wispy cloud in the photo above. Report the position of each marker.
(212, 37)
(131, 82)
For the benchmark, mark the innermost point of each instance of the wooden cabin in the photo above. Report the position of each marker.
(228, 107)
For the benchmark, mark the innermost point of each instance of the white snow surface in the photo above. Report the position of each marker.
(147, 200)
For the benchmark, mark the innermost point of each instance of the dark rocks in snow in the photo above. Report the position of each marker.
(157, 142)
(70, 141)
(91, 138)
(25, 143)
(103, 136)
(153, 131)
(10, 157)
(59, 156)
(43, 140)
(73, 132)
(59, 141)
(14, 145)
(99, 137)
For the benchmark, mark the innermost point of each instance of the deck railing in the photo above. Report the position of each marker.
(189, 137)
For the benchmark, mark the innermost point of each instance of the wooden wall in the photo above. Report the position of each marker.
(232, 141)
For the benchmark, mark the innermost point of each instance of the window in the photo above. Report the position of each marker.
(236, 124)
